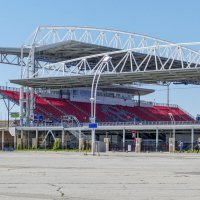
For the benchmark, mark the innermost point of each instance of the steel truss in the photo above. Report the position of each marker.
(153, 58)
(6, 58)
(138, 51)
(45, 35)
(110, 38)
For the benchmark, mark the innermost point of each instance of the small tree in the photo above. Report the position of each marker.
(56, 144)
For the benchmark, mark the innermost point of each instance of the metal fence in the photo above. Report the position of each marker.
(141, 123)
(145, 147)
(151, 146)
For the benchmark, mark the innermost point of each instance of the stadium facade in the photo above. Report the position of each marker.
(77, 80)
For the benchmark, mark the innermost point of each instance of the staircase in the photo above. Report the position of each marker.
(82, 135)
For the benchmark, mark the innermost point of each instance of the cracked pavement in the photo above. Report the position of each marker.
(74, 176)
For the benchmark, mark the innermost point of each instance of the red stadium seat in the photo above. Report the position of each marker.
(55, 108)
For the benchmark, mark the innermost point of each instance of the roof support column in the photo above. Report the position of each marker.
(124, 132)
(15, 140)
(157, 138)
(63, 136)
(192, 139)
(21, 105)
(21, 93)
(174, 137)
(2, 139)
(36, 137)
(22, 133)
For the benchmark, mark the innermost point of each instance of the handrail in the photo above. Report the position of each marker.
(101, 124)
(9, 88)
(186, 112)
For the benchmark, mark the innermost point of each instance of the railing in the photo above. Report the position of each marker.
(9, 88)
(185, 112)
(101, 124)
(164, 104)
(142, 123)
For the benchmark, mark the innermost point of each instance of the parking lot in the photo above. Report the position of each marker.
(64, 175)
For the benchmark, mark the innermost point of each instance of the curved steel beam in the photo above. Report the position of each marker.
(115, 38)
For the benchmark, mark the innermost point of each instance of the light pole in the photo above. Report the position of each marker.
(104, 62)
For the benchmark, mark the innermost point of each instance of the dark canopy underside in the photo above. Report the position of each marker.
(173, 75)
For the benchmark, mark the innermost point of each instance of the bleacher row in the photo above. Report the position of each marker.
(54, 109)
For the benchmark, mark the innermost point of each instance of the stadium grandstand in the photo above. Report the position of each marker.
(79, 82)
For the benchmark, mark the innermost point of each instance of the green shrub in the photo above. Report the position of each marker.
(19, 147)
(56, 144)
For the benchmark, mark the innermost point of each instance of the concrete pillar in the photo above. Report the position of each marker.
(124, 131)
(36, 136)
(21, 105)
(174, 137)
(138, 143)
(171, 145)
(63, 138)
(28, 140)
(15, 140)
(79, 140)
(107, 141)
(93, 142)
(81, 144)
(22, 140)
(157, 139)
(2, 139)
(192, 139)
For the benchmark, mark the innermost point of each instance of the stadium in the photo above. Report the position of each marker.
(80, 86)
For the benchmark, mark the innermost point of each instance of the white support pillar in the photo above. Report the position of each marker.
(21, 105)
(27, 105)
(28, 140)
(22, 134)
(36, 136)
(124, 131)
(192, 139)
(63, 137)
(174, 137)
(15, 140)
(2, 140)
(79, 140)
(157, 138)
(31, 97)
(93, 142)
(22, 142)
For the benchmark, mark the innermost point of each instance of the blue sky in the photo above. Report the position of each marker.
(176, 21)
